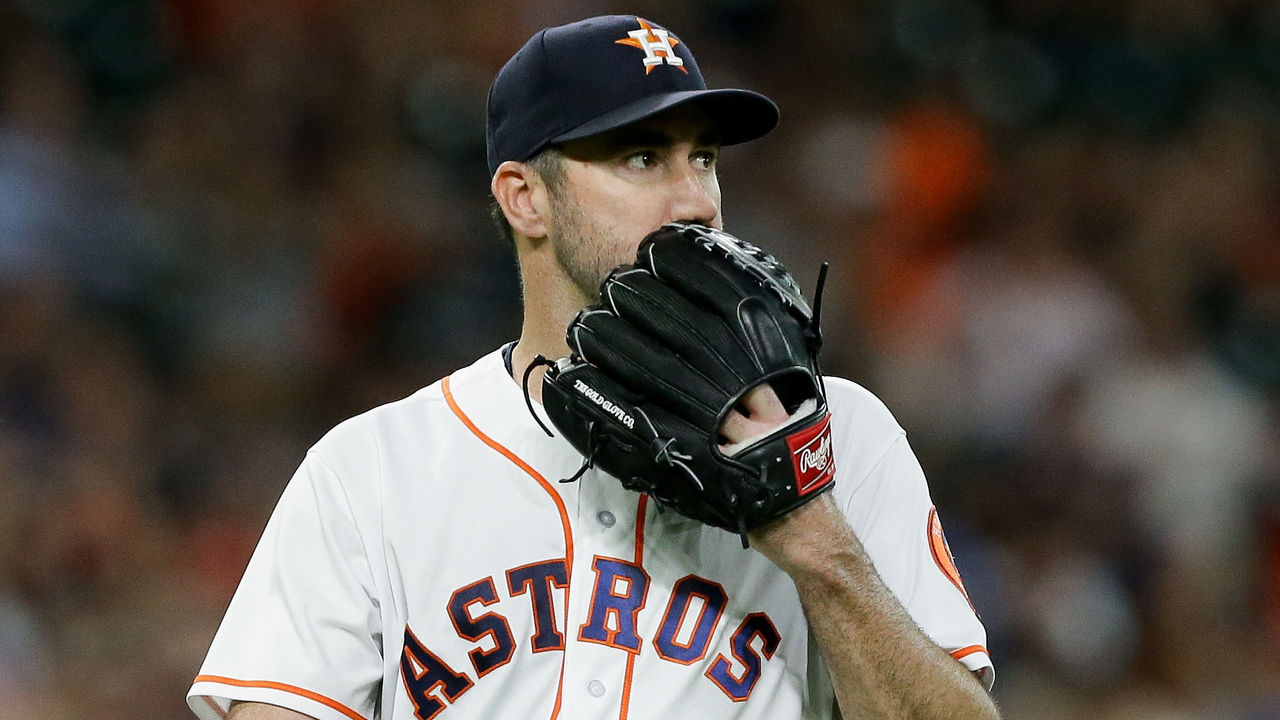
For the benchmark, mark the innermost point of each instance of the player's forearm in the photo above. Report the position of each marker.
(882, 665)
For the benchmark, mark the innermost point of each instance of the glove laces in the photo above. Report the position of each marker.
(538, 361)
(594, 443)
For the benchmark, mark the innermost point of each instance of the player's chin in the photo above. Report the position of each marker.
(588, 284)
(625, 256)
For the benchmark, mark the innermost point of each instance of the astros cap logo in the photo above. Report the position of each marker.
(658, 46)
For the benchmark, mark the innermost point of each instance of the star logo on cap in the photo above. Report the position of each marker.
(659, 46)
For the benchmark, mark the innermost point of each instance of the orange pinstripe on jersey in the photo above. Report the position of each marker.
(641, 506)
(317, 697)
(631, 659)
(542, 481)
(967, 651)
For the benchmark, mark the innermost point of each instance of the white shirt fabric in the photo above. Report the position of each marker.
(416, 564)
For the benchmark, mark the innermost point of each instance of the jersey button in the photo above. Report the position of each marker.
(606, 518)
(596, 688)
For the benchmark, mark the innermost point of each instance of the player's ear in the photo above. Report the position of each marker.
(523, 198)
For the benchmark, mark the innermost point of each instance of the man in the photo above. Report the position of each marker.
(424, 562)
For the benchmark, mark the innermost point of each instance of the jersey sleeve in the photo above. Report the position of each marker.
(303, 628)
(893, 516)
(882, 491)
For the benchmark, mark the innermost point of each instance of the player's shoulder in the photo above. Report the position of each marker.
(858, 406)
(862, 427)
(411, 420)
(381, 421)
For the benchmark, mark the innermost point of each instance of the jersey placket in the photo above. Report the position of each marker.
(608, 591)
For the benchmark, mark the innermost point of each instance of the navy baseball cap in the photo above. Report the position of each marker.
(581, 79)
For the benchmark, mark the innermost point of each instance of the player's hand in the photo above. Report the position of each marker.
(695, 381)
(759, 413)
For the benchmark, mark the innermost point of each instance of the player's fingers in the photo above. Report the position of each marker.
(763, 405)
(759, 413)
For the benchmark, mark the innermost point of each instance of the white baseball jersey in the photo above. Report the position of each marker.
(425, 562)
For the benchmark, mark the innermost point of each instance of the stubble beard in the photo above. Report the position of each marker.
(584, 250)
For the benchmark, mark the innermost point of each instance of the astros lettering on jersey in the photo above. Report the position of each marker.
(425, 562)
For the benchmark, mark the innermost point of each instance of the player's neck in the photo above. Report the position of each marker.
(522, 357)
(551, 300)
(542, 333)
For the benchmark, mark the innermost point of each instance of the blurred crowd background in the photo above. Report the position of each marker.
(1055, 233)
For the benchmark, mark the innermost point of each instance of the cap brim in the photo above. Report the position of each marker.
(738, 115)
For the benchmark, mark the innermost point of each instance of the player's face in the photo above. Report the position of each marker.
(622, 185)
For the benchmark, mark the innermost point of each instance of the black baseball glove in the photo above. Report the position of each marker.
(678, 340)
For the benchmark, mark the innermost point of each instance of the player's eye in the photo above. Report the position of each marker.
(642, 159)
(705, 159)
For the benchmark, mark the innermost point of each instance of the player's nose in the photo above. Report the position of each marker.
(695, 198)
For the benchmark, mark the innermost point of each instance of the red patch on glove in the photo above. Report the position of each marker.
(811, 457)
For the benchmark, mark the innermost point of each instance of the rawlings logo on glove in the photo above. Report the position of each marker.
(678, 339)
(811, 453)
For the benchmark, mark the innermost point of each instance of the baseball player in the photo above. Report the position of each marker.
(427, 559)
